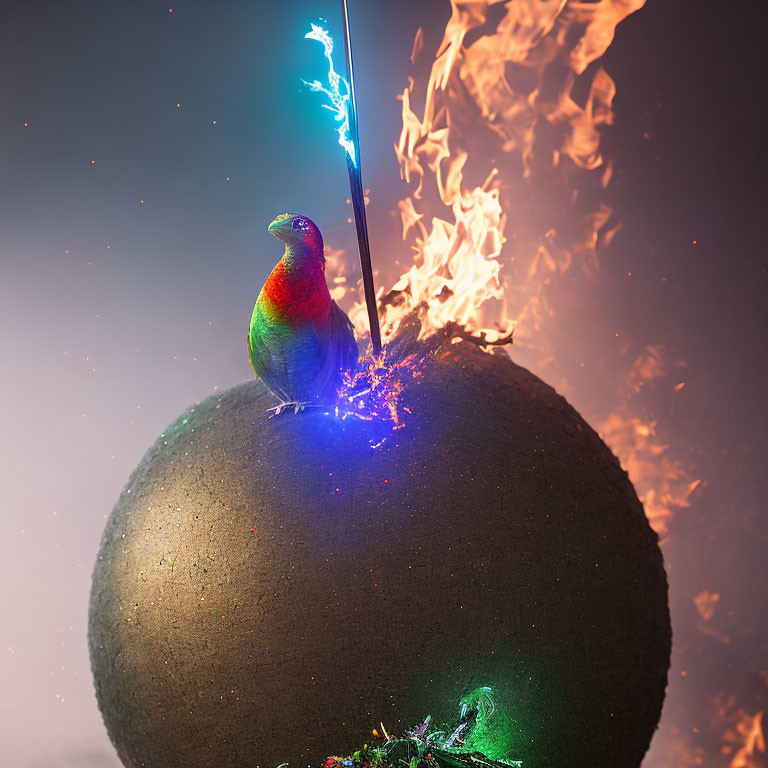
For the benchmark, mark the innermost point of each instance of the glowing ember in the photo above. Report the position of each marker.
(705, 604)
(373, 390)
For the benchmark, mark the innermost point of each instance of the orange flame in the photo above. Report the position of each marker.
(517, 83)
(514, 89)
(743, 736)
(661, 482)
(514, 86)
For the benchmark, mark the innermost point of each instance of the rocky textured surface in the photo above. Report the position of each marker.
(268, 590)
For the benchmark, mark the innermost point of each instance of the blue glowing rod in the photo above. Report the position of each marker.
(341, 94)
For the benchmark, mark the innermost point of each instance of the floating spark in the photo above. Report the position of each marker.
(337, 90)
(372, 391)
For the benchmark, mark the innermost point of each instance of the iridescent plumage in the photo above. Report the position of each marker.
(300, 341)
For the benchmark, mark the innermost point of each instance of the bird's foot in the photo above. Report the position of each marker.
(297, 407)
(276, 410)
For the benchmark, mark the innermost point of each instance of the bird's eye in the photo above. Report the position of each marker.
(300, 225)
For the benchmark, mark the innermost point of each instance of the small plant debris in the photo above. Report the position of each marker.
(430, 747)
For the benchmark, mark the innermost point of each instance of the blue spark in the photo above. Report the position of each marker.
(337, 91)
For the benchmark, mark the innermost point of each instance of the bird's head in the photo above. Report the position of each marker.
(297, 232)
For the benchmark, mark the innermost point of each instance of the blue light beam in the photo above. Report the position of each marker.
(337, 91)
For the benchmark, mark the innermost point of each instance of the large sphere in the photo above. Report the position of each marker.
(268, 590)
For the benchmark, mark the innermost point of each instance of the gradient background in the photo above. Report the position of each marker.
(117, 314)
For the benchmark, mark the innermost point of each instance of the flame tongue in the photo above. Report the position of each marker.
(517, 82)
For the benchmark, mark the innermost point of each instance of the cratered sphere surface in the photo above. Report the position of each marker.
(269, 590)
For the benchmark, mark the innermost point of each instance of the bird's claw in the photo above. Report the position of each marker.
(282, 407)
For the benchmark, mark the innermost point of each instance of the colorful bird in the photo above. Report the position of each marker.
(300, 341)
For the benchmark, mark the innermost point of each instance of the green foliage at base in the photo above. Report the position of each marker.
(481, 730)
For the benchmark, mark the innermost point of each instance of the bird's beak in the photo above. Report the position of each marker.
(281, 227)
